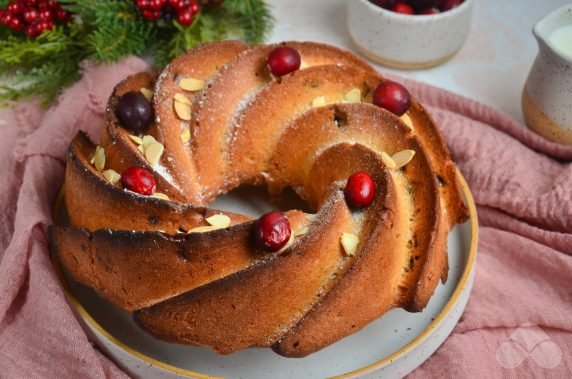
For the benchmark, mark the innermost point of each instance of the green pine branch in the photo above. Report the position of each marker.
(38, 67)
(252, 16)
(44, 82)
(108, 30)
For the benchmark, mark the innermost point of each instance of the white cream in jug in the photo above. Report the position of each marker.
(561, 38)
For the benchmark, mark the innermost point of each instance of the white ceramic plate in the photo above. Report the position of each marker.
(391, 347)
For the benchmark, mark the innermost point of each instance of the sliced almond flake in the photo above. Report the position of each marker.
(182, 99)
(147, 93)
(336, 99)
(111, 176)
(191, 84)
(288, 244)
(403, 157)
(349, 242)
(302, 231)
(203, 229)
(319, 102)
(220, 221)
(407, 120)
(153, 152)
(353, 96)
(387, 160)
(141, 148)
(185, 135)
(161, 196)
(303, 65)
(182, 110)
(99, 158)
(147, 140)
(138, 140)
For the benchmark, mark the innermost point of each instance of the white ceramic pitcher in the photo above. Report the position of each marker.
(547, 94)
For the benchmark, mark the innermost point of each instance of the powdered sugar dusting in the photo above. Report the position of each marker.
(165, 174)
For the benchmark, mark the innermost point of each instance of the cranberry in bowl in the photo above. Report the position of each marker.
(409, 34)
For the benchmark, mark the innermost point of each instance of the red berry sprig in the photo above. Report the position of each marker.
(33, 16)
(154, 10)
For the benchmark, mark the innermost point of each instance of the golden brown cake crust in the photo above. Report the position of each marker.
(217, 113)
(261, 302)
(118, 209)
(149, 267)
(201, 63)
(214, 286)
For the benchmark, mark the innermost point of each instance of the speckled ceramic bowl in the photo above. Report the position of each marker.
(408, 41)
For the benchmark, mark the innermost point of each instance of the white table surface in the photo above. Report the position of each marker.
(491, 67)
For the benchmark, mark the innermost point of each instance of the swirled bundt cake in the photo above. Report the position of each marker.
(363, 154)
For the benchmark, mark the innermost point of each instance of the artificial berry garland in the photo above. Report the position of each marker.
(33, 16)
(43, 42)
(154, 10)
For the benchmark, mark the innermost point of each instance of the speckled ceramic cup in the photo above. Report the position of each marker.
(408, 41)
(547, 94)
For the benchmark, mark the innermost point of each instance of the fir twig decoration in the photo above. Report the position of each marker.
(108, 30)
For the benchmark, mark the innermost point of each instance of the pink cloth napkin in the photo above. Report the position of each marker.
(519, 318)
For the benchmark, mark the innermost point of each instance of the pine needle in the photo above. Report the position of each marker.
(107, 31)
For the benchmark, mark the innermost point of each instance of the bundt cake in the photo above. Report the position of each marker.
(362, 153)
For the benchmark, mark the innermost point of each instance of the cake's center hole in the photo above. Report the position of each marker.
(254, 201)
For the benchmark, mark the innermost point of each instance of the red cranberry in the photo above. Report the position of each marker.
(51, 4)
(177, 4)
(3, 17)
(62, 15)
(16, 23)
(138, 180)
(142, 4)
(429, 11)
(194, 7)
(393, 97)
(447, 5)
(8, 19)
(360, 190)
(386, 4)
(185, 17)
(151, 15)
(147, 14)
(403, 8)
(283, 60)
(44, 26)
(15, 7)
(134, 111)
(272, 231)
(157, 5)
(32, 30)
(422, 4)
(30, 15)
(45, 15)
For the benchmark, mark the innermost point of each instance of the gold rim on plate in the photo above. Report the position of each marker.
(364, 370)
